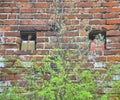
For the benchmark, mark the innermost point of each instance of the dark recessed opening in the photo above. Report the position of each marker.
(97, 40)
(28, 40)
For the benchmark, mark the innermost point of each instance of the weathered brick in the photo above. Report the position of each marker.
(113, 58)
(24, 10)
(7, 28)
(7, 10)
(114, 39)
(40, 34)
(101, 58)
(111, 15)
(72, 34)
(24, 5)
(4, 4)
(109, 27)
(83, 4)
(12, 16)
(41, 52)
(3, 16)
(13, 77)
(42, 39)
(72, 27)
(113, 32)
(97, 16)
(96, 10)
(85, 16)
(11, 22)
(41, 5)
(23, 0)
(111, 4)
(42, 16)
(26, 16)
(96, 22)
(113, 9)
(13, 5)
(113, 46)
(71, 16)
(40, 46)
(10, 52)
(113, 21)
(2, 52)
(13, 34)
(112, 52)
(1, 10)
(10, 46)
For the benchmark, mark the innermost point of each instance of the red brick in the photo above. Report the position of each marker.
(113, 46)
(41, 52)
(27, 22)
(38, 58)
(22, 52)
(7, 28)
(14, 77)
(13, 5)
(97, 15)
(66, 39)
(72, 27)
(85, 16)
(101, 58)
(12, 16)
(41, 5)
(7, 10)
(10, 46)
(113, 10)
(48, 46)
(39, 34)
(71, 34)
(40, 45)
(110, 4)
(1, 10)
(42, 10)
(109, 27)
(113, 58)
(113, 21)
(23, 0)
(83, 4)
(15, 10)
(2, 52)
(97, 22)
(4, 4)
(112, 52)
(13, 34)
(113, 32)
(42, 39)
(50, 34)
(42, 16)
(41, 0)
(114, 39)
(25, 16)
(28, 10)
(71, 16)
(9, 52)
(42, 27)
(25, 5)
(3, 16)
(11, 22)
(96, 10)
(110, 15)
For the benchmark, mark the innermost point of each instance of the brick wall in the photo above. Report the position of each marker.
(38, 15)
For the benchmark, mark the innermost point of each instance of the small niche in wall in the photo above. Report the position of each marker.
(28, 40)
(97, 40)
